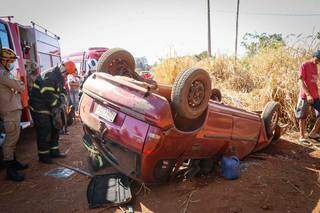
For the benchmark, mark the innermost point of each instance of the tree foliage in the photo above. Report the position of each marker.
(202, 55)
(255, 42)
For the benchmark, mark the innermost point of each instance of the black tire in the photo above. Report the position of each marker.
(191, 92)
(270, 117)
(216, 95)
(117, 61)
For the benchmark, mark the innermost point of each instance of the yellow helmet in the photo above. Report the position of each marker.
(7, 55)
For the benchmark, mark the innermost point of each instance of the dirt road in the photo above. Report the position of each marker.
(282, 178)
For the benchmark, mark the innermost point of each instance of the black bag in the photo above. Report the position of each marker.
(108, 190)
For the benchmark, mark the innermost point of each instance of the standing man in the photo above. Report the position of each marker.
(74, 89)
(46, 100)
(308, 76)
(10, 113)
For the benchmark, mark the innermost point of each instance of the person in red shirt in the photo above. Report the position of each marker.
(309, 95)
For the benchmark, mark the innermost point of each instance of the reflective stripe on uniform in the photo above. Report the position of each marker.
(55, 147)
(43, 152)
(36, 86)
(54, 103)
(90, 149)
(45, 89)
(40, 111)
(100, 161)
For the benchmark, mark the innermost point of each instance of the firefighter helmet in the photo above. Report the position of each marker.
(7, 55)
(70, 67)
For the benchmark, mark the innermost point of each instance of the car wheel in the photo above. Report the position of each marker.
(270, 118)
(117, 61)
(191, 92)
(216, 95)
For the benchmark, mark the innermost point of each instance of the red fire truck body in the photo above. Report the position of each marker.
(37, 49)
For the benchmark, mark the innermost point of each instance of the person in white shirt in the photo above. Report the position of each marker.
(74, 88)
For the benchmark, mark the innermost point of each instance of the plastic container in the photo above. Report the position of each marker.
(230, 167)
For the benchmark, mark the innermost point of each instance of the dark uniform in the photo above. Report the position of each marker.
(47, 95)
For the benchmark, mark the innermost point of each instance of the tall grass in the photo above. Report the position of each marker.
(271, 74)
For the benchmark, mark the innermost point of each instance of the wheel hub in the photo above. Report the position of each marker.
(120, 67)
(274, 120)
(196, 93)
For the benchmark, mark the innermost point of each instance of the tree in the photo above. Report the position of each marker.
(202, 55)
(257, 42)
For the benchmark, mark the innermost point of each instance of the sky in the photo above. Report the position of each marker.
(161, 28)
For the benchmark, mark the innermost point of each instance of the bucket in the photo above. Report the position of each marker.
(230, 167)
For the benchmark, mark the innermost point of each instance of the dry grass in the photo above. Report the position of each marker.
(272, 74)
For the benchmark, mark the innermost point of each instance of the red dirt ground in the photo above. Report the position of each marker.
(285, 177)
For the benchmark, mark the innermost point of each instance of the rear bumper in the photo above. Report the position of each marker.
(125, 161)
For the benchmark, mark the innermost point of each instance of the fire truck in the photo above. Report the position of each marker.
(86, 61)
(38, 49)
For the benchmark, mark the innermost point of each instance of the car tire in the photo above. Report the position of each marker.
(117, 61)
(216, 95)
(191, 92)
(270, 117)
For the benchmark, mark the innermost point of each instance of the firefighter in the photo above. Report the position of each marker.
(10, 113)
(47, 98)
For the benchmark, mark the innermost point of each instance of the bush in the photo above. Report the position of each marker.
(270, 74)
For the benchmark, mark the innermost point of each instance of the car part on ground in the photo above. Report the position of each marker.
(191, 92)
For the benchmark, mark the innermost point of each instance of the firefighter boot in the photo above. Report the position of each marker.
(12, 173)
(45, 158)
(57, 154)
(18, 165)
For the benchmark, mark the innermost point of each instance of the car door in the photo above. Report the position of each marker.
(216, 132)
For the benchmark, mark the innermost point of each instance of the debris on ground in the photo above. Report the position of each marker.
(60, 172)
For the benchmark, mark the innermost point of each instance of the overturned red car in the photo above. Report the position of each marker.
(148, 130)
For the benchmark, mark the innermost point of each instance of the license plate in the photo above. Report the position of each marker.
(106, 113)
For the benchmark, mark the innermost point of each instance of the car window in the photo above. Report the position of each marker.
(4, 37)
